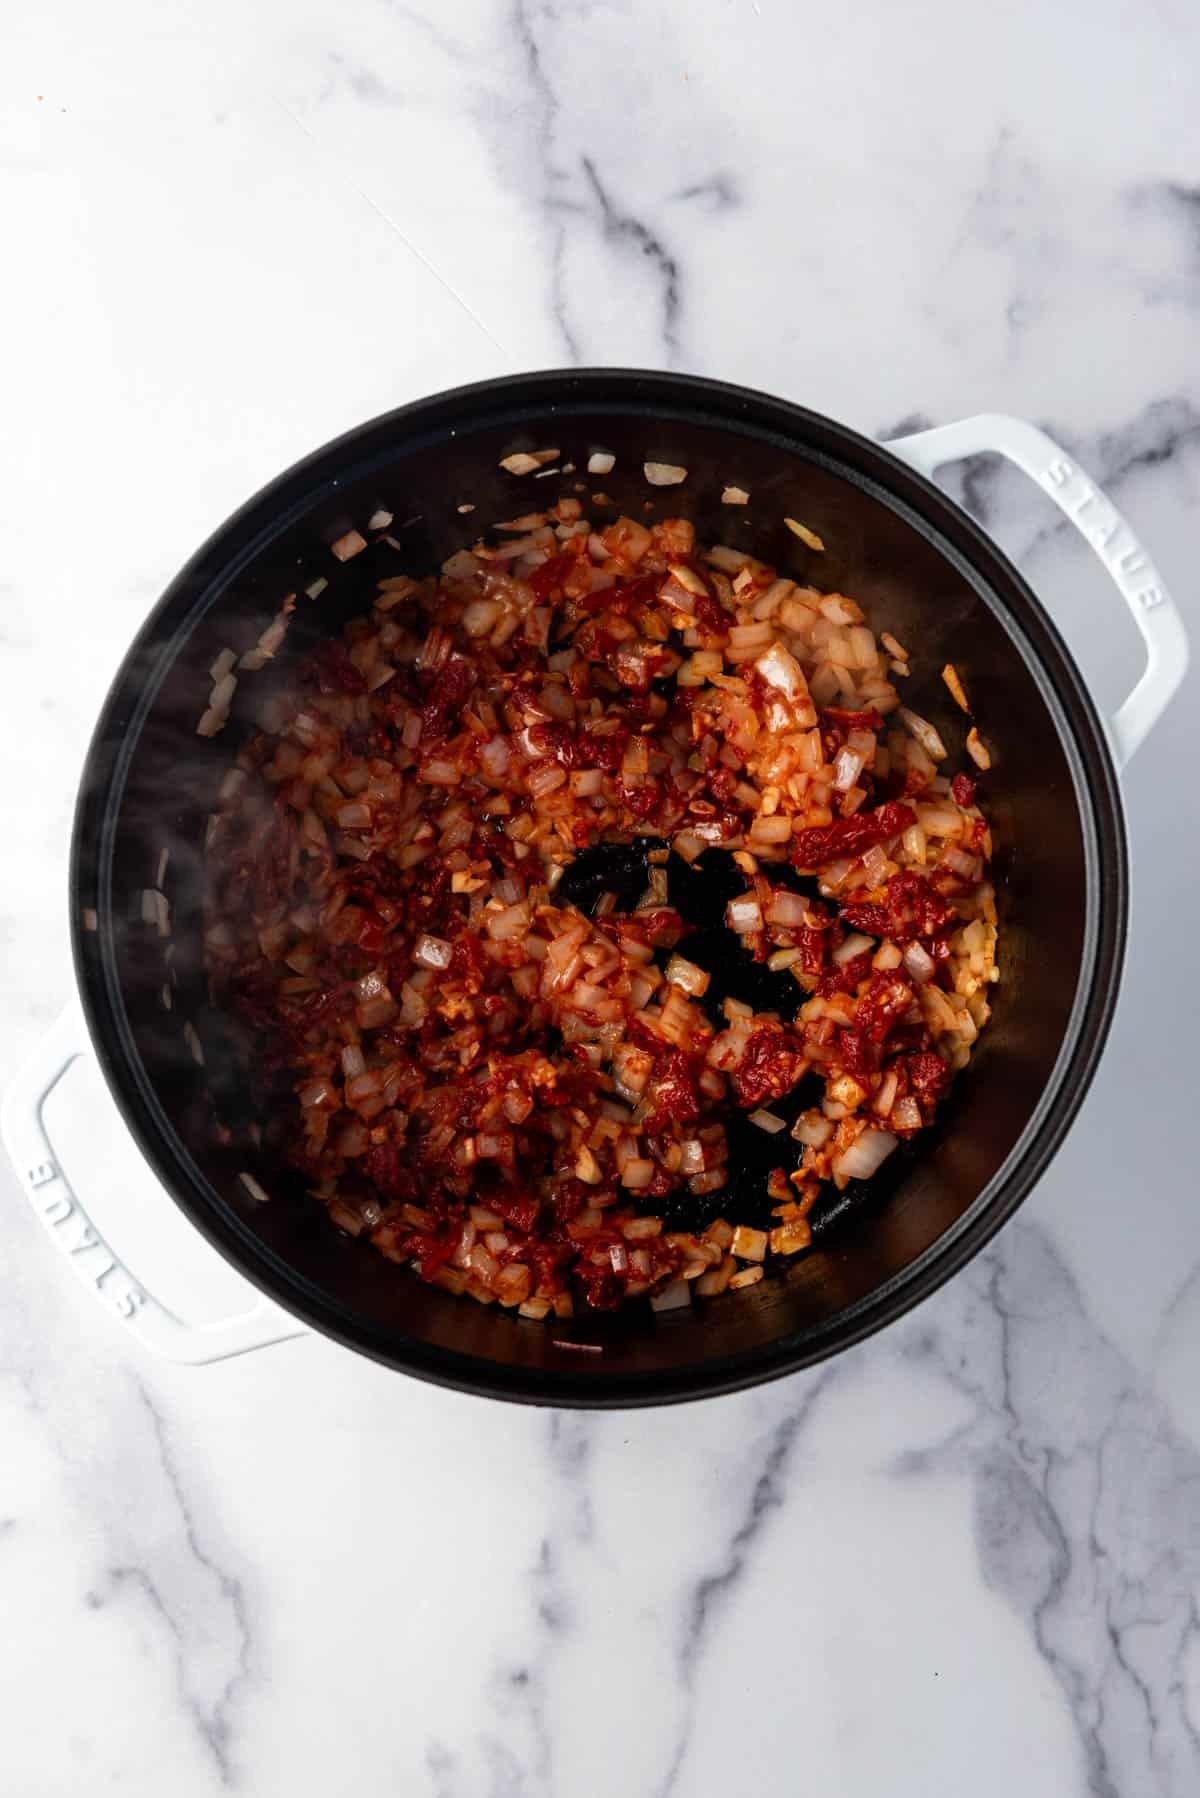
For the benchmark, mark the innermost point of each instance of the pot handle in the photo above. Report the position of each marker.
(1108, 532)
(23, 1126)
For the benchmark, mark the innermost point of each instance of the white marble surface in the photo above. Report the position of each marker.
(964, 1558)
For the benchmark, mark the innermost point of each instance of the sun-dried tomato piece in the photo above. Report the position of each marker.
(429, 1253)
(623, 597)
(845, 976)
(769, 1067)
(912, 908)
(444, 698)
(823, 843)
(661, 925)
(643, 802)
(811, 944)
(557, 742)
(709, 614)
(569, 1198)
(676, 1095)
(604, 750)
(928, 1075)
(876, 920)
(547, 580)
(856, 1053)
(372, 935)
(882, 1005)
(387, 1172)
(911, 895)
(602, 1289)
(516, 1206)
(336, 673)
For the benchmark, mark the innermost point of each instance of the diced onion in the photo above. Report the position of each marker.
(952, 679)
(918, 963)
(788, 909)
(744, 915)
(352, 543)
(672, 1298)
(812, 1129)
(777, 829)
(882, 1103)
(546, 778)
(978, 750)
(223, 692)
(805, 535)
(507, 923)
(853, 946)
(924, 732)
(687, 975)
(688, 846)
(479, 617)
(781, 670)
(691, 1156)
(637, 1174)
(967, 866)
(846, 769)
(866, 1153)
(875, 864)
(528, 461)
(372, 1014)
(316, 1092)
(495, 756)
(748, 1244)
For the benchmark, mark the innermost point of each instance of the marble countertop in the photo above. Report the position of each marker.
(964, 1557)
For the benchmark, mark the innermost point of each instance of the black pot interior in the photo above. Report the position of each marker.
(922, 572)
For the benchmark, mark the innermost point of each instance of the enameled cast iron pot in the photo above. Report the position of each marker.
(919, 566)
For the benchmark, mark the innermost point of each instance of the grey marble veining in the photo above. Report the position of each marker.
(1088, 1510)
(1084, 1506)
(964, 1557)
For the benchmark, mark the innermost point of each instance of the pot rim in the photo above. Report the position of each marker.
(692, 399)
